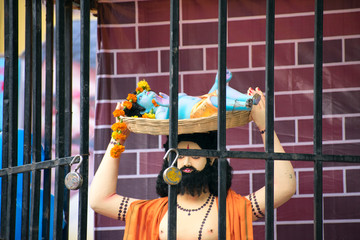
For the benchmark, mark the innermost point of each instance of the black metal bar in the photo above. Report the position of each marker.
(37, 166)
(173, 119)
(60, 117)
(84, 115)
(11, 100)
(221, 144)
(269, 136)
(210, 153)
(27, 121)
(318, 170)
(5, 127)
(36, 138)
(277, 156)
(48, 117)
(68, 103)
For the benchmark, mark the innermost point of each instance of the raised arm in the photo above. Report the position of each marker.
(284, 176)
(102, 194)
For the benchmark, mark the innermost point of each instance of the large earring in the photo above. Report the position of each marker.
(172, 175)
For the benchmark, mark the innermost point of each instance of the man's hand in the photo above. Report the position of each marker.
(258, 111)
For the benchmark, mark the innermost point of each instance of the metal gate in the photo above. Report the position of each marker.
(318, 157)
(36, 173)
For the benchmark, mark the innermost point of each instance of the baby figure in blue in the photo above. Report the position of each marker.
(197, 106)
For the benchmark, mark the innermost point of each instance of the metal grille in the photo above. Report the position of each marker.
(37, 173)
(318, 158)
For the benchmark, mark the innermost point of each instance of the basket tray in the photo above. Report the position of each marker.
(205, 124)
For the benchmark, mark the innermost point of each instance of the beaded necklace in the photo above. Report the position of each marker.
(196, 209)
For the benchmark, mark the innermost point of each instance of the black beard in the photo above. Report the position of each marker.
(195, 182)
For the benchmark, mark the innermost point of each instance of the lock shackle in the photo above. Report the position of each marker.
(166, 157)
(74, 159)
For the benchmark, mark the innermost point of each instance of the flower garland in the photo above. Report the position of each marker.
(120, 127)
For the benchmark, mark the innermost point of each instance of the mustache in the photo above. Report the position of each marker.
(189, 167)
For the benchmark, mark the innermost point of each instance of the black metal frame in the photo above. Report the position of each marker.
(32, 120)
(318, 158)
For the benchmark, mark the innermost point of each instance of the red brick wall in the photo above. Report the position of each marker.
(134, 44)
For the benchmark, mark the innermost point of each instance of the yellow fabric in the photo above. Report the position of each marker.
(144, 217)
(204, 107)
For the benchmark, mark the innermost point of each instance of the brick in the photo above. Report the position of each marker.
(128, 164)
(341, 102)
(352, 49)
(285, 131)
(341, 76)
(198, 84)
(295, 231)
(247, 8)
(103, 114)
(243, 31)
(246, 164)
(134, 141)
(293, 105)
(237, 57)
(332, 182)
(293, 6)
(110, 234)
(158, 83)
(240, 184)
(154, 36)
(137, 62)
(340, 24)
(284, 54)
(335, 231)
(116, 37)
(238, 135)
(258, 180)
(200, 33)
(352, 127)
(334, 4)
(344, 207)
(101, 134)
(352, 180)
(154, 11)
(241, 81)
(141, 188)
(296, 209)
(141, 141)
(200, 9)
(105, 63)
(332, 129)
(302, 78)
(102, 221)
(116, 13)
(189, 60)
(259, 232)
(294, 27)
(151, 163)
(332, 52)
(115, 88)
(342, 149)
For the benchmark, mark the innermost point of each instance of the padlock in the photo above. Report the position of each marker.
(172, 175)
(74, 180)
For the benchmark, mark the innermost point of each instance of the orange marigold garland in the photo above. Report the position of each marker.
(120, 127)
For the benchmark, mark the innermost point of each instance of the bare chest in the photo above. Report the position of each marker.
(197, 225)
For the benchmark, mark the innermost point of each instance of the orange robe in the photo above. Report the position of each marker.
(144, 217)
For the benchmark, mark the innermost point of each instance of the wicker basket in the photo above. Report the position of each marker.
(205, 124)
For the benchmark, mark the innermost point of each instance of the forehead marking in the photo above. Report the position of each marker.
(188, 146)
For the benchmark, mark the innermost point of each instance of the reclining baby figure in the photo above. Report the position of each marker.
(192, 106)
